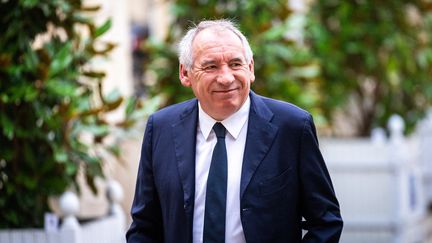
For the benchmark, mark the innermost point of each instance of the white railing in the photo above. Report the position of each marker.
(424, 134)
(380, 188)
(108, 229)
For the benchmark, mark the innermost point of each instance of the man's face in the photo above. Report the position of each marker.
(220, 77)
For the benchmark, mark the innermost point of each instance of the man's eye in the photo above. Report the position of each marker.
(236, 64)
(211, 67)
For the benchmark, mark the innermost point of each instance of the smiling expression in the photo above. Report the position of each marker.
(220, 77)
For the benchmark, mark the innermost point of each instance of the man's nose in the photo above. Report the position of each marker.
(225, 75)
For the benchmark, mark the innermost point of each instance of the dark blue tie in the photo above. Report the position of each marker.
(215, 202)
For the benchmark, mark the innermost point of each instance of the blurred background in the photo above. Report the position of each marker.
(78, 79)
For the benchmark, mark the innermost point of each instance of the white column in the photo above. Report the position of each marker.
(118, 64)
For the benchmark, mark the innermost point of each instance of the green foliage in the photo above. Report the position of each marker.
(283, 69)
(377, 56)
(49, 98)
(364, 60)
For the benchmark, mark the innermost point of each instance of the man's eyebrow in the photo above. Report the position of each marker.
(237, 59)
(208, 62)
(213, 62)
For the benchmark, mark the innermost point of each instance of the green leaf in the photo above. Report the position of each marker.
(91, 183)
(103, 28)
(29, 3)
(130, 106)
(79, 18)
(31, 60)
(60, 155)
(115, 150)
(7, 126)
(61, 88)
(21, 92)
(4, 98)
(96, 130)
(71, 168)
(61, 60)
(27, 181)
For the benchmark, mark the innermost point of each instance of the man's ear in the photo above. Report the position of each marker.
(184, 75)
(251, 70)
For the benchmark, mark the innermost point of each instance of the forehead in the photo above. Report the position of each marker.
(210, 42)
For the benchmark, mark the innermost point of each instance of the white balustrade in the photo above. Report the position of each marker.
(109, 229)
(69, 206)
(424, 134)
(378, 182)
(115, 196)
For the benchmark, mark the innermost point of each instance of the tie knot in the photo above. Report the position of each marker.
(219, 130)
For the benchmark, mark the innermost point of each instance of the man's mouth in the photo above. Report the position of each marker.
(225, 90)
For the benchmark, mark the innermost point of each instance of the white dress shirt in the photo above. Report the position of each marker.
(235, 140)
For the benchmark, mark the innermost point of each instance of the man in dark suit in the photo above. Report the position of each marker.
(230, 165)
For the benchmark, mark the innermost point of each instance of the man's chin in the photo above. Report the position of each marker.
(227, 109)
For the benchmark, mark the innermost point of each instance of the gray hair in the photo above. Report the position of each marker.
(185, 50)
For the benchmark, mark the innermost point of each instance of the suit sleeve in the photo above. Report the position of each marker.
(320, 208)
(146, 211)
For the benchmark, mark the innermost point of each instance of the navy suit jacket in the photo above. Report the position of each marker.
(283, 180)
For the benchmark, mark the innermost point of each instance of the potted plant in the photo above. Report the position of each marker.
(50, 96)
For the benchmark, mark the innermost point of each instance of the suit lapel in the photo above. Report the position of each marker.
(184, 136)
(260, 136)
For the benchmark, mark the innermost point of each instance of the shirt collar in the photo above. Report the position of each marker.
(233, 123)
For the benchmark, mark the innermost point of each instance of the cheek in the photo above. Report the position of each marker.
(246, 80)
(201, 89)
(205, 82)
